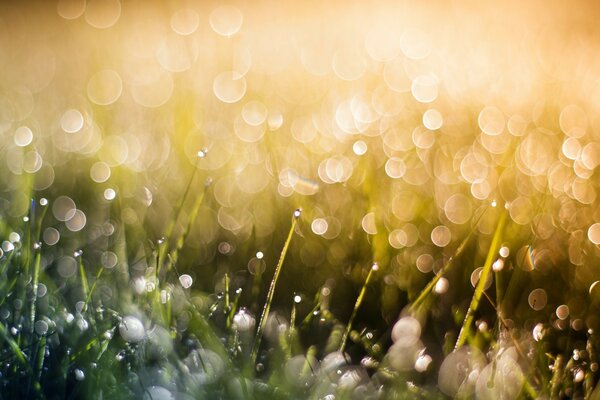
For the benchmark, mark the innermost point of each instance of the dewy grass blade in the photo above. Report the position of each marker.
(179, 205)
(479, 289)
(84, 280)
(359, 300)
(35, 281)
(190, 221)
(37, 247)
(431, 285)
(267, 306)
(89, 296)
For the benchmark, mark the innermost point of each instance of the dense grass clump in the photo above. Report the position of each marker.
(273, 201)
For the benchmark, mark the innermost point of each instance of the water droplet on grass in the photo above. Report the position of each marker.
(423, 362)
(132, 329)
(243, 321)
(41, 327)
(79, 375)
(441, 286)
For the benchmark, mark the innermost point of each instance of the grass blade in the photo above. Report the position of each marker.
(359, 300)
(431, 285)
(480, 288)
(267, 306)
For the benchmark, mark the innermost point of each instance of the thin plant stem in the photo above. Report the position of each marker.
(359, 301)
(35, 281)
(267, 306)
(447, 266)
(89, 296)
(480, 288)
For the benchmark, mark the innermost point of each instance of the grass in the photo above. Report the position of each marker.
(77, 349)
(148, 251)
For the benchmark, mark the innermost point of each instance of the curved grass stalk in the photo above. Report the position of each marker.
(267, 306)
(480, 288)
(40, 356)
(359, 300)
(179, 205)
(89, 295)
(36, 264)
(174, 254)
(84, 280)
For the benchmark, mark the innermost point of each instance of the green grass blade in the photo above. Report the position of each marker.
(480, 288)
(35, 283)
(89, 295)
(84, 280)
(267, 306)
(174, 255)
(419, 301)
(179, 205)
(359, 301)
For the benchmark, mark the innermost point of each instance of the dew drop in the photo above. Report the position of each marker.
(41, 327)
(79, 375)
(441, 286)
(243, 321)
(131, 329)
(538, 332)
(186, 281)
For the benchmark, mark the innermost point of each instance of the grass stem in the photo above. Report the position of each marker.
(359, 301)
(267, 306)
(480, 288)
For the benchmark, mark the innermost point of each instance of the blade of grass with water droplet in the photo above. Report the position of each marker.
(419, 301)
(480, 288)
(359, 300)
(36, 263)
(84, 280)
(267, 306)
(36, 274)
(89, 296)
